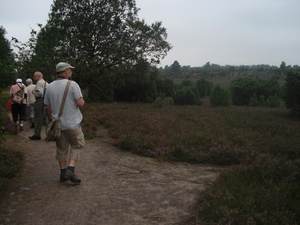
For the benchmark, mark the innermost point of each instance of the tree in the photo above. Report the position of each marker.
(98, 36)
(165, 86)
(175, 67)
(207, 66)
(6, 61)
(282, 66)
(243, 89)
(292, 93)
(186, 93)
(204, 87)
(220, 96)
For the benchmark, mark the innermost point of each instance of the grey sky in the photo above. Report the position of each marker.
(233, 32)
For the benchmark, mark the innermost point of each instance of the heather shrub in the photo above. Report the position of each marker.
(222, 155)
(11, 162)
(262, 192)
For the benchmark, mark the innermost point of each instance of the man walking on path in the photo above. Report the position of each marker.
(40, 86)
(30, 100)
(71, 139)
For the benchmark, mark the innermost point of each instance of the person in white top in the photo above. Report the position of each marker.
(40, 86)
(30, 100)
(71, 140)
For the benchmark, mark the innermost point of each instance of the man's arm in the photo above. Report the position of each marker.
(48, 112)
(39, 89)
(80, 102)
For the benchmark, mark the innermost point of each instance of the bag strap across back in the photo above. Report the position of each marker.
(64, 98)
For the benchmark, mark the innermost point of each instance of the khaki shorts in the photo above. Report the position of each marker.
(70, 142)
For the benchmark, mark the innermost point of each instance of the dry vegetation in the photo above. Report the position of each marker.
(260, 147)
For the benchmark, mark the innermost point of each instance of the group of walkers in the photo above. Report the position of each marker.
(43, 101)
(33, 95)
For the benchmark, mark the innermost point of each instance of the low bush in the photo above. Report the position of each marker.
(220, 96)
(262, 192)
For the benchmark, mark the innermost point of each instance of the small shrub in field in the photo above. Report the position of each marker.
(186, 95)
(262, 100)
(160, 101)
(220, 96)
(273, 101)
(253, 100)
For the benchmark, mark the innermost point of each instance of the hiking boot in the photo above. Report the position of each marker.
(63, 177)
(32, 126)
(72, 176)
(34, 137)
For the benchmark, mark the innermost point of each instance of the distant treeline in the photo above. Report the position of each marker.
(176, 68)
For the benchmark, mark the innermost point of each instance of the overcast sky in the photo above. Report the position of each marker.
(224, 32)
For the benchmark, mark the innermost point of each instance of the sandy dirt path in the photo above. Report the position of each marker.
(117, 187)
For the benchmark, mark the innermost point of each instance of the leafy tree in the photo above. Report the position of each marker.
(6, 61)
(186, 83)
(98, 36)
(175, 67)
(243, 89)
(138, 83)
(186, 94)
(220, 96)
(165, 86)
(282, 66)
(207, 66)
(273, 101)
(292, 93)
(204, 87)
(253, 100)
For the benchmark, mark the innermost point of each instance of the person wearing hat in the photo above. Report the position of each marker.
(30, 100)
(71, 140)
(19, 110)
(38, 91)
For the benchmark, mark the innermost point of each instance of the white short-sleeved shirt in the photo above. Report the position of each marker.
(71, 115)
